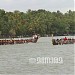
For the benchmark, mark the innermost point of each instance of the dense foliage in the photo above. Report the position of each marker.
(41, 21)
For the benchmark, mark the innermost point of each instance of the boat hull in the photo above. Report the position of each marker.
(61, 42)
(22, 41)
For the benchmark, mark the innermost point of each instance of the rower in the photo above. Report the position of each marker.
(65, 38)
(34, 38)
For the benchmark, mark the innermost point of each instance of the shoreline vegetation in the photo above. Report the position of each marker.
(21, 24)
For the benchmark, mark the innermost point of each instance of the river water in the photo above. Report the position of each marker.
(14, 59)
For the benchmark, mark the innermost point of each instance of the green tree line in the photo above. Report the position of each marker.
(41, 21)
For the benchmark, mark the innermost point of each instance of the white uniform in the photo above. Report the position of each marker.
(34, 36)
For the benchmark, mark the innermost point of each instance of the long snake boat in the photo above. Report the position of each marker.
(18, 41)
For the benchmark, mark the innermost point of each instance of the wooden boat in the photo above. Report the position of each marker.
(17, 41)
(63, 41)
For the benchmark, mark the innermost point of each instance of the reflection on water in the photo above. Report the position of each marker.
(14, 59)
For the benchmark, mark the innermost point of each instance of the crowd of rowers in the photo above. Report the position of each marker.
(63, 41)
(19, 40)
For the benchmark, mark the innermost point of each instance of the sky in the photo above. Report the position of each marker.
(24, 5)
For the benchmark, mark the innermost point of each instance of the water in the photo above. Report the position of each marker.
(14, 59)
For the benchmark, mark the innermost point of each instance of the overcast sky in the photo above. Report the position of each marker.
(24, 5)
